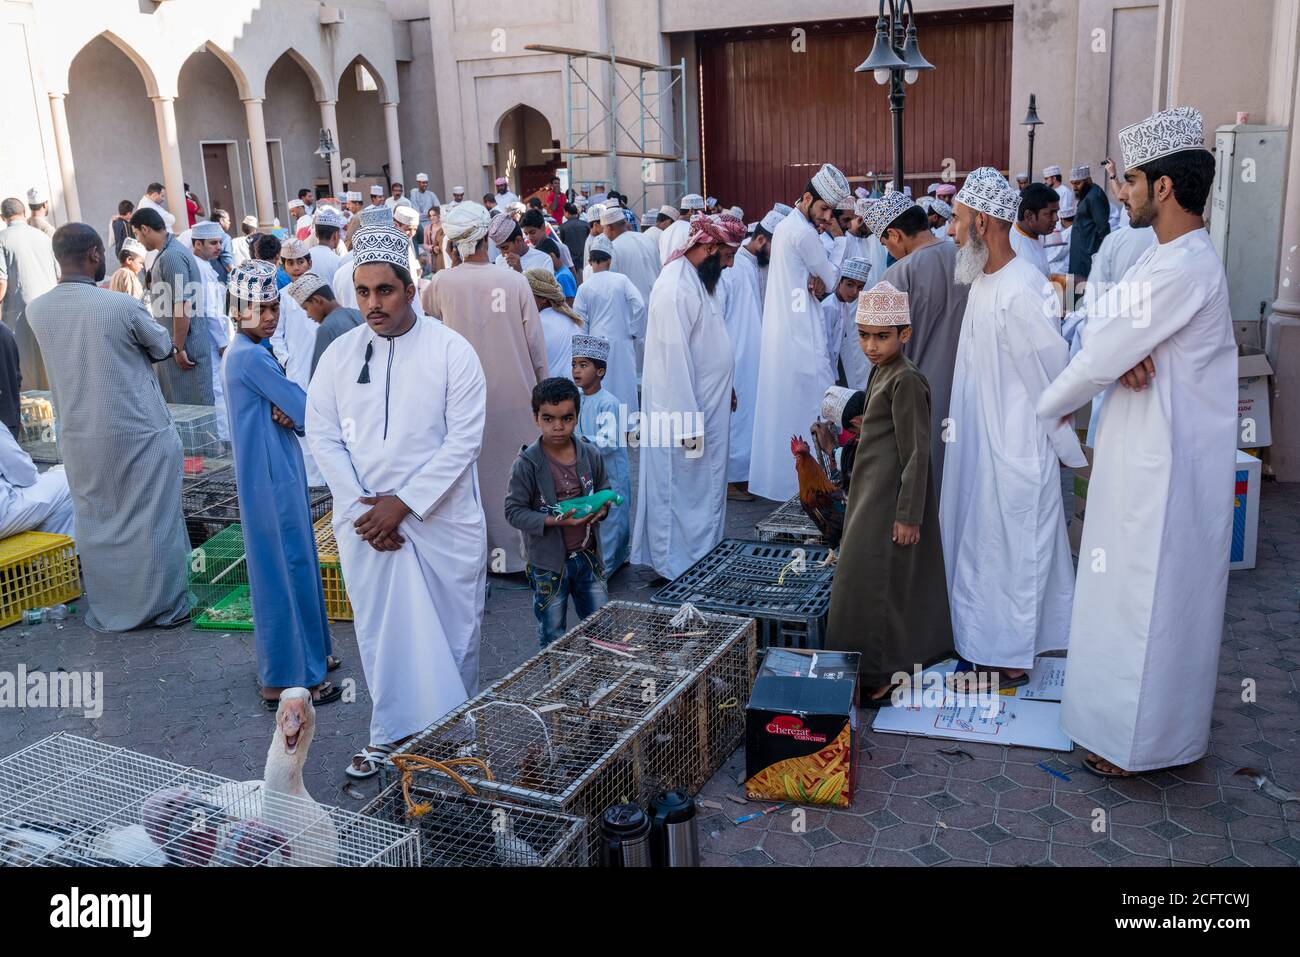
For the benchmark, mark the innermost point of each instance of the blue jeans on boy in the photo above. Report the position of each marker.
(583, 579)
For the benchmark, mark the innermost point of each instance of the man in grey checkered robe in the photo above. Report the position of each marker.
(122, 454)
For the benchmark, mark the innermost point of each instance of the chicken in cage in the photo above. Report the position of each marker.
(69, 801)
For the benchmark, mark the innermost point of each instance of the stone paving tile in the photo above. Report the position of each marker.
(191, 697)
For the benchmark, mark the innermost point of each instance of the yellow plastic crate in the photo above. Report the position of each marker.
(337, 606)
(37, 569)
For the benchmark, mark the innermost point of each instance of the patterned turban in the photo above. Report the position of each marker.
(502, 228)
(724, 228)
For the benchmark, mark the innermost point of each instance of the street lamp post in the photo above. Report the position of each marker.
(326, 149)
(1032, 121)
(895, 59)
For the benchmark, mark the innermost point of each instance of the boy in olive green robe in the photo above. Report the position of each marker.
(889, 601)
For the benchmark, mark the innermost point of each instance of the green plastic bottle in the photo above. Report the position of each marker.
(584, 505)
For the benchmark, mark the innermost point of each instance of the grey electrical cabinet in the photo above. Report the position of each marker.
(1246, 217)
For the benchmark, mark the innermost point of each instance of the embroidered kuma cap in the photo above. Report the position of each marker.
(590, 347)
(883, 305)
(1162, 134)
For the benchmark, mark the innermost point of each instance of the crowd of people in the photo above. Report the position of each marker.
(469, 378)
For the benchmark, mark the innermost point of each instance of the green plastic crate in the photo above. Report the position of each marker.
(218, 583)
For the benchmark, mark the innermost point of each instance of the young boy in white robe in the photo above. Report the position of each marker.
(612, 308)
(598, 423)
(562, 549)
(842, 349)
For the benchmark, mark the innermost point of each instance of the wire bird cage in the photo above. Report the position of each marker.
(218, 583)
(786, 588)
(71, 802)
(200, 467)
(790, 524)
(212, 504)
(197, 425)
(686, 682)
(460, 830)
(212, 470)
(546, 757)
(40, 426)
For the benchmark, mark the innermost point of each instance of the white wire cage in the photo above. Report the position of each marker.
(197, 425)
(67, 801)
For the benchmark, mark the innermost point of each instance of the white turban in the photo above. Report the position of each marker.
(611, 215)
(465, 224)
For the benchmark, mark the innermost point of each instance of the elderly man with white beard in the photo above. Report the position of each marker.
(686, 403)
(1001, 517)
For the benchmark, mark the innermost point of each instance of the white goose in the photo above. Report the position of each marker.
(280, 822)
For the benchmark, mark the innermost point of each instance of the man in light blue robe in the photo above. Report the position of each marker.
(267, 411)
(600, 424)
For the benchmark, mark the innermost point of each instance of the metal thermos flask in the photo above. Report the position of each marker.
(624, 836)
(675, 838)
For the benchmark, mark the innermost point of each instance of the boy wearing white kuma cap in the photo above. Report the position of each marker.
(892, 560)
(600, 423)
(1009, 350)
(843, 351)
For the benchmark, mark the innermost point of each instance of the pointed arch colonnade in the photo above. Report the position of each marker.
(248, 49)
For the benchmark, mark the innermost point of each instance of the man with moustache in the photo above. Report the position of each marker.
(1148, 624)
(686, 404)
(395, 420)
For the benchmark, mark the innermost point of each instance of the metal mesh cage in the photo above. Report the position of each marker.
(40, 426)
(547, 757)
(790, 524)
(787, 588)
(200, 467)
(623, 660)
(209, 504)
(197, 427)
(682, 686)
(689, 684)
(218, 583)
(68, 801)
(458, 830)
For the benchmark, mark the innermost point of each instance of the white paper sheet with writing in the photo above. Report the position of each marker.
(1046, 681)
(1012, 720)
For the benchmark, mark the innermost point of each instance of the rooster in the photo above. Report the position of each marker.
(821, 499)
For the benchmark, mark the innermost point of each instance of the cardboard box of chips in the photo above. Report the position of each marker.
(801, 732)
